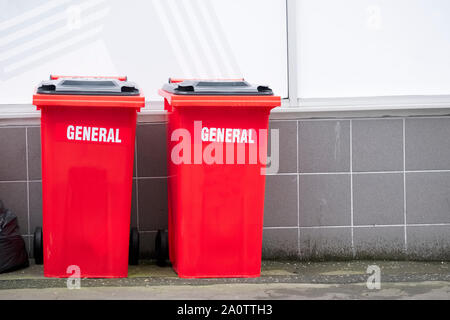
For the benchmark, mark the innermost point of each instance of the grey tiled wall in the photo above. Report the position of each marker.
(366, 188)
(346, 188)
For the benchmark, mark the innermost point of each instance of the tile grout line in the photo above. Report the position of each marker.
(9, 126)
(364, 226)
(404, 186)
(146, 178)
(426, 171)
(282, 174)
(351, 189)
(298, 200)
(376, 172)
(151, 123)
(279, 228)
(376, 118)
(28, 186)
(323, 173)
(344, 172)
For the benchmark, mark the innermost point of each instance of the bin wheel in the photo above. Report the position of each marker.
(162, 248)
(133, 256)
(38, 248)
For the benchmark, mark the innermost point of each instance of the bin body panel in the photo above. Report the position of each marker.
(86, 189)
(216, 210)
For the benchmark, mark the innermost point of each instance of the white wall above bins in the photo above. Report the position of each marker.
(148, 41)
(322, 50)
(355, 48)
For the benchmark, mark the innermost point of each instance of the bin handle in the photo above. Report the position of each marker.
(263, 88)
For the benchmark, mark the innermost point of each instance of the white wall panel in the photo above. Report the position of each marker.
(352, 48)
(147, 40)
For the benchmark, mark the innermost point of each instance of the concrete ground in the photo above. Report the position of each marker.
(279, 280)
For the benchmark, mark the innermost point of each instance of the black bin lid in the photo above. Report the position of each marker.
(88, 86)
(217, 87)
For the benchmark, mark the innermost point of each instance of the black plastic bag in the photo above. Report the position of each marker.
(13, 253)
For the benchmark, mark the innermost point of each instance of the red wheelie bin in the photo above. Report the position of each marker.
(217, 149)
(88, 129)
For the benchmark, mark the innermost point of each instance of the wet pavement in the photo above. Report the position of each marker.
(279, 280)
